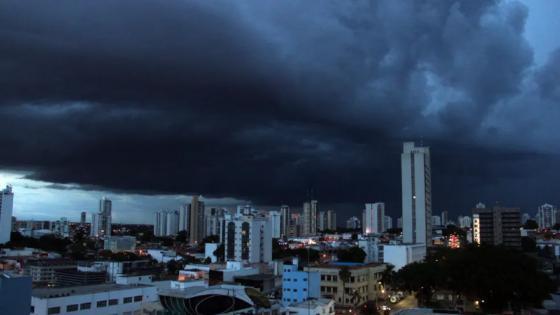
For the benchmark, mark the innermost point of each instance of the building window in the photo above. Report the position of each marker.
(85, 306)
(72, 308)
(322, 289)
(138, 298)
(53, 310)
(335, 278)
(101, 303)
(304, 279)
(328, 278)
(322, 277)
(113, 301)
(245, 230)
(304, 289)
(127, 300)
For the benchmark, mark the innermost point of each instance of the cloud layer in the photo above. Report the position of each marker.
(262, 100)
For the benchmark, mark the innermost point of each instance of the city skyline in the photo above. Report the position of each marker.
(253, 130)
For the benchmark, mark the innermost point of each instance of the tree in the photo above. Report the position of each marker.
(352, 254)
(530, 225)
(528, 244)
(497, 275)
(173, 267)
(344, 274)
(182, 236)
(220, 252)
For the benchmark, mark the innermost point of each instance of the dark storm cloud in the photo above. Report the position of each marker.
(263, 100)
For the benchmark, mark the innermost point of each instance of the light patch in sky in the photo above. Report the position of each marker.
(40, 200)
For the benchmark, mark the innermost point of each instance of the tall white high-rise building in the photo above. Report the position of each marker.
(166, 223)
(444, 218)
(416, 194)
(61, 227)
(196, 228)
(326, 220)
(213, 220)
(184, 217)
(353, 223)
(436, 220)
(6, 210)
(373, 219)
(285, 217)
(247, 238)
(464, 221)
(310, 218)
(546, 216)
(101, 222)
(275, 223)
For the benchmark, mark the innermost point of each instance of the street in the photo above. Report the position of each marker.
(407, 302)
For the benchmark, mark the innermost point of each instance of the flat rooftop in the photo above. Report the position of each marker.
(44, 293)
(262, 276)
(350, 265)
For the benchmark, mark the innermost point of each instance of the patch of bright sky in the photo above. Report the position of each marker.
(542, 27)
(40, 200)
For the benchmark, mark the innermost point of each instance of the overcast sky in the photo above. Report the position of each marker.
(148, 102)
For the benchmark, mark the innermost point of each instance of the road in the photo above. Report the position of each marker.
(408, 302)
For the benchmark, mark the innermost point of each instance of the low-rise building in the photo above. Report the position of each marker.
(72, 277)
(120, 243)
(320, 306)
(92, 299)
(15, 294)
(400, 255)
(363, 282)
(298, 286)
(43, 270)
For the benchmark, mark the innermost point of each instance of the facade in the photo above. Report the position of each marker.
(465, 222)
(373, 220)
(92, 299)
(15, 294)
(327, 220)
(295, 229)
(285, 219)
(73, 277)
(275, 223)
(546, 216)
(101, 224)
(6, 210)
(310, 218)
(83, 218)
(416, 194)
(299, 286)
(497, 226)
(315, 306)
(166, 223)
(400, 255)
(436, 220)
(371, 246)
(43, 271)
(120, 243)
(247, 238)
(361, 286)
(61, 227)
(196, 228)
(353, 223)
(184, 217)
(388, 222)
(213, 221)
(444, 218)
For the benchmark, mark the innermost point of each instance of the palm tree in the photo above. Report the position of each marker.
(344, 274)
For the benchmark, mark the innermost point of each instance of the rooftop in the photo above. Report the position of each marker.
(44, 293)
(312, 303)
(261, 276)
(350, 265)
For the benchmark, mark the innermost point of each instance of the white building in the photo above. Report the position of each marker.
(184, 217)
(209, 249)
(372, 247)
(400, 255)
(6, 210)
(119, 243)
(166, 223)
(310, 218)
(92, 299)
(388, 222)
(101, 224)
(436, 220)
(285, 218)
(444, 218)
(546, 216)
(373, 218)
(416, 194)
(327, 220)
(247, 238)
(213, 220)
(314, 306)
(61, 228)
(465, 222)
(353, 223)
(275, 223)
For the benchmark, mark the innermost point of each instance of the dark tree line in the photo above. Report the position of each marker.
(499, 276)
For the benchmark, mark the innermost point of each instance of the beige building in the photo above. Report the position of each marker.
(362, 285)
